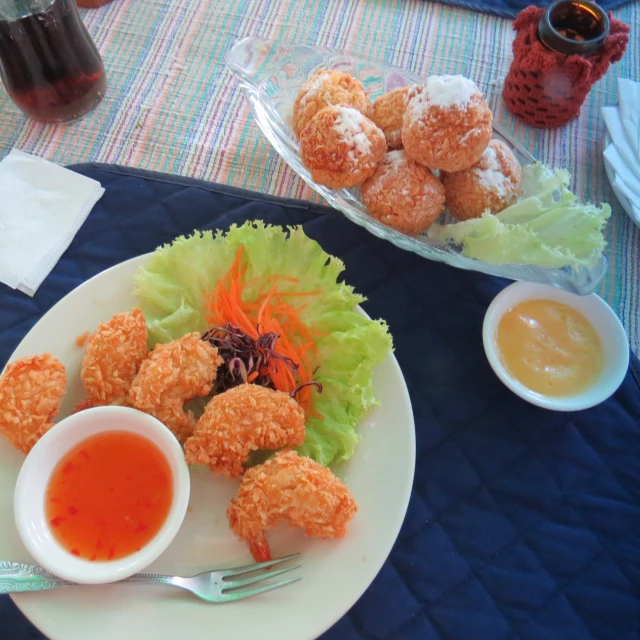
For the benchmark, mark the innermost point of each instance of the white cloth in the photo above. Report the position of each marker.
(42, 207)
(629, 104)
(622, 155)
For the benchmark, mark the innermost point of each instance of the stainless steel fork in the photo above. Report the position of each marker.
(225, 585)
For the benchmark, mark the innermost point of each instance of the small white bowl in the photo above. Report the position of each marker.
(31, 487)
(612, 334)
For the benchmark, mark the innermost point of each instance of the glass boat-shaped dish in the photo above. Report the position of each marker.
(270, 75)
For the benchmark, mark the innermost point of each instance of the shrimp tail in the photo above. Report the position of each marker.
(259, 548)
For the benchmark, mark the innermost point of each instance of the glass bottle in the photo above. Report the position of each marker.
(49, 64)
(559, 53)
(574, 27)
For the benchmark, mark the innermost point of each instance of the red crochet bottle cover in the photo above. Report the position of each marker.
(545, 88)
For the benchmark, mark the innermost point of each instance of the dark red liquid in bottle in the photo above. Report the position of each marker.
(49, 64)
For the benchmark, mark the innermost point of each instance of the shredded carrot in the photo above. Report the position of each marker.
(267, 313)
(263, 312)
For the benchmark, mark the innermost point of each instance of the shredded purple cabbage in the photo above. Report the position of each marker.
(244, 355)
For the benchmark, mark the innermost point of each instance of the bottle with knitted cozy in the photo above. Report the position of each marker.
(546, 88)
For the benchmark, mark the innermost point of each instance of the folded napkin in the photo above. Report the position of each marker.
(42, 206)
(629, 104)
(622, 156)
(629, 174)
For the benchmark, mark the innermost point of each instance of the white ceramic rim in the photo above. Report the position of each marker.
(614, 341)
(29, 503)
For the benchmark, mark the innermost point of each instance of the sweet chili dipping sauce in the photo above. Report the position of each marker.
(109, 496)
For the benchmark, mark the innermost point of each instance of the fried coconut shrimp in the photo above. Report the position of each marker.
(295, 489)
(173, 374)
(114, 354)
(244, 419)
(325, 88)
(491, 184)
(388, 112)
(447, 124)
(341, 147)
(403, 194)
(31, 391)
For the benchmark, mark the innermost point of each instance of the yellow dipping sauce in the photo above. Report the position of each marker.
(549, 347)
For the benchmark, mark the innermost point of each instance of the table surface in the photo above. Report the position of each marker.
(172, 106)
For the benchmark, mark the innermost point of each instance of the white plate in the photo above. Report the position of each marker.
(335, 573)
(611, 174)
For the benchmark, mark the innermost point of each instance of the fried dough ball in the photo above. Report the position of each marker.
(341, 147)
(403, 194)
(293, 489)
(325, 88)
(114, 354)
(388, 112)
(447, 124)
(173, 374)
(31, 391)
(492, 183)
(244, 419)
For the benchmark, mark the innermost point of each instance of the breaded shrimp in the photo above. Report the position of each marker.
(295, 489)
(112, 359)
(244, 419)
(31, 391)
(173, 374)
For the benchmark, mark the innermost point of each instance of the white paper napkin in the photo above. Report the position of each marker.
(622, 155)
(626, 173)
(629, 105)
(42, 207)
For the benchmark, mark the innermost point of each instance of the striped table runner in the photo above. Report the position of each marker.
(172, 106)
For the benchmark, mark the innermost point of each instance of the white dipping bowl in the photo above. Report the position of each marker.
(33, 479)
(612, 335)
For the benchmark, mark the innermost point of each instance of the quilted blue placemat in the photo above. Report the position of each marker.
(511, 8)
(523, 524)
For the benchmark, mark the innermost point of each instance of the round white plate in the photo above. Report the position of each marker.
(335, 573)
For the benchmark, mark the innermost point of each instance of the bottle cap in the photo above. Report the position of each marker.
(574, 27)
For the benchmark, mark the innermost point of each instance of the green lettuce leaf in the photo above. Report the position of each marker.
(173, 283)
(346, 359)
(547, 226)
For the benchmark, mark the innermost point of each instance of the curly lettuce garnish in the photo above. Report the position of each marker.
(546, 227)
(174, 288)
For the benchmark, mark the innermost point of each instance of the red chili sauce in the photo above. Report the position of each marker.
(109, 496)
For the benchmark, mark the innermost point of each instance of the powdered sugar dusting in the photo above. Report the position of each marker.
(394, 160)
(491, 176)
(450, 91)
(316, 85)
(350, 125)
(444, 91)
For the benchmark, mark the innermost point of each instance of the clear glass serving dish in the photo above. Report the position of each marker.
(270, 75)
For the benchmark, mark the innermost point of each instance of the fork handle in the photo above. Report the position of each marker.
(19, 578)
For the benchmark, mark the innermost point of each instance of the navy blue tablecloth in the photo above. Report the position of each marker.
(523, 524)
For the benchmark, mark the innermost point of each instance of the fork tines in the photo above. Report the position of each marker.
(233, 589)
